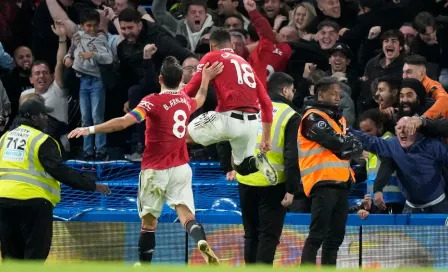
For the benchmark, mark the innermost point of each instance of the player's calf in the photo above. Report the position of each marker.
(147, 240)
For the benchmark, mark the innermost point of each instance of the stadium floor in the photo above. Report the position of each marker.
(119, 267)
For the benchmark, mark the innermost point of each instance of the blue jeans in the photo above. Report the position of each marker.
(92, 101)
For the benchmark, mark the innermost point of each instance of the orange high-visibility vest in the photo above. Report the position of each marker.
(317, 163)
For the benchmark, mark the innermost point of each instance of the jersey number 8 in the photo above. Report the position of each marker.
(244, 74)
(180, 123)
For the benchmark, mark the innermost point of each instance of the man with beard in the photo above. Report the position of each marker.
(386, 95)
(412, 103)
(138, 76)
(419, 163)
(415, 67)
(18, 80)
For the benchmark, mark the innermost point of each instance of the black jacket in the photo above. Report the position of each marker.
(131, 55)
(290, 153)
(52, 162)
(315, 128)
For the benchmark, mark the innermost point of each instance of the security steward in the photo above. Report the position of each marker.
(31, 168)
(325, 149)
(263, 206)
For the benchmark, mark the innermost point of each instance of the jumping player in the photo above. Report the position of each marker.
(166, 174)
(239, 94)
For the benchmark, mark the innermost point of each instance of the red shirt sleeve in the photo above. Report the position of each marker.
(195, 83)
(143, 109)
(265, 102)
(262, 26)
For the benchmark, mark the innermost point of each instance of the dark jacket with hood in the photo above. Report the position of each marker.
(290, 153)
(131, 55)
(315, 128)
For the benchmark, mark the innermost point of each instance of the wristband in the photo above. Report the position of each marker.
(423, 119)
(92, 130)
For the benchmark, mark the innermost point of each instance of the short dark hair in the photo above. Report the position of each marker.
(324, 84)
(190, 3)
(373, 114)
(130, 15)
(393, 33)
(415, 60)
(134, 3)
(253, 34)
(393, 82)
(422, 21)
(41, 62)
(278, 81)
(220, 36)
(171, 72)
(239, 17)
(328, 23)
(90, 16)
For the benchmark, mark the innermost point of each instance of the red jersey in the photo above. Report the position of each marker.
(268, 58)
(166, 114)
(237, 87)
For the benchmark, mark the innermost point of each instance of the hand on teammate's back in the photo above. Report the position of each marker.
(102, 188)
(211, 71)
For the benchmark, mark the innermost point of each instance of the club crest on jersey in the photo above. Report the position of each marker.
(146, 105)
(277, 51)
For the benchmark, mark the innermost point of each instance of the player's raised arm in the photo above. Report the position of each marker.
(208, 73)
(266, 116)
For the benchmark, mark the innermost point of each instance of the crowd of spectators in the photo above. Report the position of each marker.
(390, 57)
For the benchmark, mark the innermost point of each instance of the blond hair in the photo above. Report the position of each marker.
(33, 96)
(311, 14)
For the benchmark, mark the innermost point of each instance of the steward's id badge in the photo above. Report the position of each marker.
(15, 145)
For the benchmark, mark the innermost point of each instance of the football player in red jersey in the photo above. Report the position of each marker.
(272, 52)
(240, 94)
(166, 175)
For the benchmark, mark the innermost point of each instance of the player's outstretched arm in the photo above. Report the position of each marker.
(266, 116)
(208, 73)
(113, 125)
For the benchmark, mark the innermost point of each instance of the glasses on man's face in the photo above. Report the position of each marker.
(190, 68)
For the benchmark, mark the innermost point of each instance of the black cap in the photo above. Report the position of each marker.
(33, 107)
(343, 48)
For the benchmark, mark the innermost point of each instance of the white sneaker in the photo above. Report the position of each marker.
(207, 253)
(265, 167)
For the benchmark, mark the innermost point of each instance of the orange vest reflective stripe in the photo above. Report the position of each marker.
(318, 163)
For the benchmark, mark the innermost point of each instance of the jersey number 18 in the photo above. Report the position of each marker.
(244, 74)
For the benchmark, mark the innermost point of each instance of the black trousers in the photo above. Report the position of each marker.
(26, 228)
(263, 217)
(329, 210)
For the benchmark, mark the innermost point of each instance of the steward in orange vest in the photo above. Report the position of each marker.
(325, 149)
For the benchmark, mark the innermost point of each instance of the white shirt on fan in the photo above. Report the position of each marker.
(55, 98)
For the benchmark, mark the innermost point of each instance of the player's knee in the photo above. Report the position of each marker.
(149, 222)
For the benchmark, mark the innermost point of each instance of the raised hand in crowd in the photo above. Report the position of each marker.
(374, 32)
(389, 112)
(149, 51)
(59, 29)
(278, 22)
(409, 124)
(250, 5)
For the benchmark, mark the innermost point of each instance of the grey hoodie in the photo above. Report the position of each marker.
(82, 42)
(180, 27)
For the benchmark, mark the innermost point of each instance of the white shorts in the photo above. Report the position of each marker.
(172, 185)
(214, 127)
